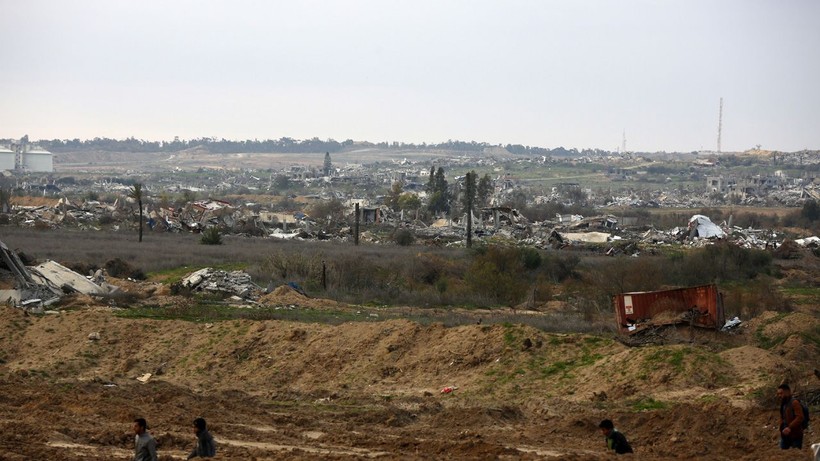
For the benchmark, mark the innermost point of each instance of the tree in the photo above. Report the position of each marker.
(484, 191)
(328, 210)
(469, 204)
(468, 198)
(392, 198)
(440, 196)
(810, 211)
(136, 194)
(328, 167)
(431, 181)
(281, 182)
(409, 201)
(188, 196)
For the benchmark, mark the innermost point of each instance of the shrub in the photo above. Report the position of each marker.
(297, 265)
(404, 237)
(752, 298)
(211, 236)
(121, 269)
(106, 220)
(723, 261)
(541, 292)
(530, 257)
(497, 273)
(560, 267)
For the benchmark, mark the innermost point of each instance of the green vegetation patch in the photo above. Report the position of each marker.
(565, 367)
(803, 296)
(766, 342)
(663, 356)
(648, 404)
(696, 366)
(812, 336)
(214, 312)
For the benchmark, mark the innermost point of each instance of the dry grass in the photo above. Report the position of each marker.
(391, 275)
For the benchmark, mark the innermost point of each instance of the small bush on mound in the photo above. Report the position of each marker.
(211, 236)
(106, 220)
(118, 268)
(121, 269)
(78, 267)
(404, 237)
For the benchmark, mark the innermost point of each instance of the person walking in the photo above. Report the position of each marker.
(791, 419)
(145, 446)
(205, 445)
(614, 439)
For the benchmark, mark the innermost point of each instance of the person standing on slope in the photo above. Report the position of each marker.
(791, 419)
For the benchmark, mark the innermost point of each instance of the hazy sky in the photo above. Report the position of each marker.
(539, 72)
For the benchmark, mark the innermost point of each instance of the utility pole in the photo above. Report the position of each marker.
(356, 227)
(470, 192)
(720, 124)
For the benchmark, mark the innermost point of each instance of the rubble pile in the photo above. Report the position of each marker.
(495, 224)
(236, 283)
(44, 284)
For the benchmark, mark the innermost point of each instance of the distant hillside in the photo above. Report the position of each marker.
(290, 145)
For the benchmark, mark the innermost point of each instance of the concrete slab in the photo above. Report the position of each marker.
(59, 276)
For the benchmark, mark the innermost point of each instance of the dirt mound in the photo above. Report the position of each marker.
(671, 372)
(34, 201)
(285, 295)
(755, 368)
(782, 325)
(290, 390)
(79, 300)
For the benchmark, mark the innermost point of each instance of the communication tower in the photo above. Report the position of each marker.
(720, 124)
(623, 143)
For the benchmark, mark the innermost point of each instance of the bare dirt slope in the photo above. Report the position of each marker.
(284, 390)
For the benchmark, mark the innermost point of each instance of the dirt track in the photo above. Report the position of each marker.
(283, 390)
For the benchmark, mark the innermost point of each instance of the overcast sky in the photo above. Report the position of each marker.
(539, 72)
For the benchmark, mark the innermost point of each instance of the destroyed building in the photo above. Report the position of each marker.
(42, 285)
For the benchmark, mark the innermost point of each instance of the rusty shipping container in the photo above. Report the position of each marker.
(700, 305)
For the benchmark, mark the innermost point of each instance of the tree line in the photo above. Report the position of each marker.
(285, 145)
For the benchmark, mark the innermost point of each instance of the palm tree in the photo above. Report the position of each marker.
(136, 194)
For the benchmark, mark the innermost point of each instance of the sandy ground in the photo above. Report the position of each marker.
(276, 390)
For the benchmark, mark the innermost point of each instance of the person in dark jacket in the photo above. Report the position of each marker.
(614, 439)
(205, 445)
(791, 419)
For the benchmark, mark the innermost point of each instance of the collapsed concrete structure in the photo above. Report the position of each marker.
(42, 285)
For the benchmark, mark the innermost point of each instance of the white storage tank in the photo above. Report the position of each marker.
(6, 159)
(38, 160)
